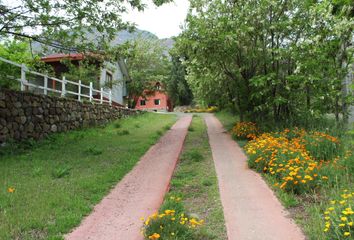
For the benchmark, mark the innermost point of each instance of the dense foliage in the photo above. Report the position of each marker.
(177, 86)
(147, 63)
(269, 59)
(66, 24)
(19, 52)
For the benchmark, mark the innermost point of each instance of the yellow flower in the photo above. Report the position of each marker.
(154, 236)
(11, 190)
(344, 219)
(347, 234)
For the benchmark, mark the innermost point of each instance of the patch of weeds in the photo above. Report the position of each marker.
(78, 135)
(207, 182)
(61, 171)
(123, 133)
(159, 133)
(117, 125)
(193, 156)
(167, 127)
(137, 126)
(94, 151)
(37, 171)
(191, 129)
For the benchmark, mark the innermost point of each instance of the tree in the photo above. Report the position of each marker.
(268, 59)
(19, 52)
(177, 86)
(147, 63)
(66, 24)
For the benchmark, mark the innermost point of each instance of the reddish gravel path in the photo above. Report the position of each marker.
(138, 194)
(250, 208)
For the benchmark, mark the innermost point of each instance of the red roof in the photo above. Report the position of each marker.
(56, 57)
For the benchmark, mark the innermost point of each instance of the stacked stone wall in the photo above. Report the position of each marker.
(24, 115)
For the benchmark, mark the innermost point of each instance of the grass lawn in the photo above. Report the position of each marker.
(308, 208)
(196, 181)
(59, 180)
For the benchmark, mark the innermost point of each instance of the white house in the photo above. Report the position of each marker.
(113, 75)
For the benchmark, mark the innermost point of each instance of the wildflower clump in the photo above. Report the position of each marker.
(245, 130)
(286, 157)
(339, 217)
(170, 223)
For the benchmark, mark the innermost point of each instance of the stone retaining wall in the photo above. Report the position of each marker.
(25, 115)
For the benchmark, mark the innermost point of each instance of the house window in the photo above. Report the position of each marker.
(142, 102)
(157, 101)
(109, 79)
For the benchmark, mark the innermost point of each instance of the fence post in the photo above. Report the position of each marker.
(110, 97)
(101, 95)
(45, 90)
(79, 91)
(23, 77)
(91, 86)
(63, 87)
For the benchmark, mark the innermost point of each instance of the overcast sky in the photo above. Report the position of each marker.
(162, 21)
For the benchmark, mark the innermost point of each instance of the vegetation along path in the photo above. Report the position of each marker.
(139, 193)
(250, 208)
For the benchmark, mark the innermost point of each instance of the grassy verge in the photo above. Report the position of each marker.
(195, 181)
(57, 181)
(325, 204)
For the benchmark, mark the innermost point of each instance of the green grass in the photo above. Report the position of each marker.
(59, 180)
(227, 119)
(196, 181)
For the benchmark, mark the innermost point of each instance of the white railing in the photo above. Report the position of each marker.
(92, 95)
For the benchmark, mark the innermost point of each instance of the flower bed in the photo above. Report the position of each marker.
(294, 157)
(202, 110)
(170, 222)
(339, 217)
(245, 130)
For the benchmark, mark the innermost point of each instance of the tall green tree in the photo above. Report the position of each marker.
(177, 86)
(268, 59)
(148, 62)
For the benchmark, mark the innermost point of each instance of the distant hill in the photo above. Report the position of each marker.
(120, 38)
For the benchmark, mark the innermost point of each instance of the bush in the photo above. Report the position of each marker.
(170, 222)
(339, 217)
(245, 130)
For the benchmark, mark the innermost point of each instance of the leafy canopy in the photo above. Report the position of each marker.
(66, 24)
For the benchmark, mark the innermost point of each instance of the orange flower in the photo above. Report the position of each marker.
(11, 190)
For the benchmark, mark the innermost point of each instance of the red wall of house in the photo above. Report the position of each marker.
(165, 103)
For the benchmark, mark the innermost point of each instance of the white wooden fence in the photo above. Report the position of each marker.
(64, 91)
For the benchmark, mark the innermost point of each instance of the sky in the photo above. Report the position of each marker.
(164, 21)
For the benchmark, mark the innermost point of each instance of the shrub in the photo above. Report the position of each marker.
(193, 155)
(170, 222)
(245, 130)
(339, 217)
